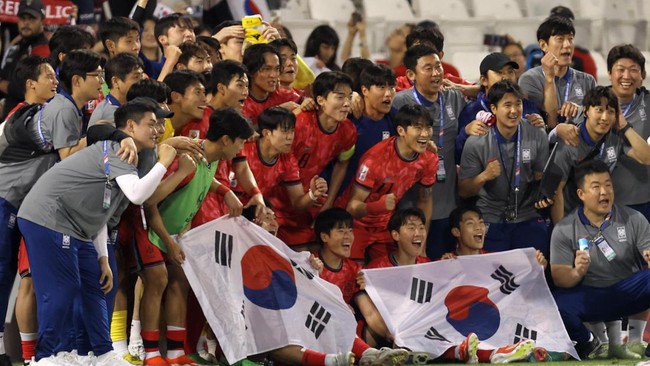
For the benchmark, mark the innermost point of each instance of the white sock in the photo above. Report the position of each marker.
(212, 346)
(135, 330)
(599, 330)
(200, 345)
(149, 355)
(2, 342)
(635, 329)
(120, 347)
(614, 333)
(330, 360)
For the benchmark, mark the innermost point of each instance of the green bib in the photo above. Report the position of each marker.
(179, 208)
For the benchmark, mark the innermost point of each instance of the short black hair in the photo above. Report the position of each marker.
(501, 88)
(326, 82)
(179, 80)
(275, 117)
(224, 71)
(412, 115)
(625, 51)
(66, 39)
(594, 96)
(378, 75)
(224, 24)
(400, 217)
(330, 219)
(428, 36)
(229, 122)
(175, 19)
(414, 53)
(29, 68)
(191, 49)
(352, 67)
(587, 167)
(284, 42)
(115, 28)
(120, 66)
(131, 110)
(456, 215)
(77, 62)
(555, 26)
(254, 57)
(562, 11)
(152, 88)
(323, 34)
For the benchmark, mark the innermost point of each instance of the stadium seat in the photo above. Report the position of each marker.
(294, 9)
(618, 31)
(391, 10)
(441, 9)
(541, 8)
(300, 30)
(465, 35)
(468, 64)
(497, 9)
(331, 10)
(523, 30)
(601, 68)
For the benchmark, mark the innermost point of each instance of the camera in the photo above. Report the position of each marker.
(495, 40)
(510, 213)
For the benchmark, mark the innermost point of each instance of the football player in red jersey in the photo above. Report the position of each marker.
(321, 137)
(385, 173)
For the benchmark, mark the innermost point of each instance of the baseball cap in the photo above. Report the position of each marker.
(32, 7)
(495, 61)
(159, 112)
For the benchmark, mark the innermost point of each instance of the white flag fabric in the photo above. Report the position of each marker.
(242, 8)
(259, 295)
(502, 297)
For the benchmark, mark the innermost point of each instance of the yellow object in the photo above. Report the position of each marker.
(252, 26)
(118, 326)
(305, 75)
(251, 21)
(169, 130)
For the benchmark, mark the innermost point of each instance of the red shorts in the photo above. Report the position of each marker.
(370, 243)
(23, 261)
(133, 240)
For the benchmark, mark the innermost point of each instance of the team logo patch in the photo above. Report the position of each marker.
(385, 135)
(642, 114)
(525, 155)
(622, 235)
(66, 242)
(12, 221)
(579, 92)
(611, 153)
(363, 172)
(450, 112)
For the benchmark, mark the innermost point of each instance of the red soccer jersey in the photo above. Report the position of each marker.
(389, 261)
(253, 108)
(282, 171)
(197, 128)
(382, 171)
(344, 278)
(314, 148)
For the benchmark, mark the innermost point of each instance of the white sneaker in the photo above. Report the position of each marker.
(209, 357)
(47, 361)
(136, 348)
(384, 356)
(111, 359)
(69, 358)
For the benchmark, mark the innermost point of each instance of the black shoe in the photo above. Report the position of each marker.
(588, 349)
(647, 350)
(5, 360)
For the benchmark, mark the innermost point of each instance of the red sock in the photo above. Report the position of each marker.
(359, 347)
(150, 340)
(313, 358)
(449, 354)
(484, 355)
(29, 349)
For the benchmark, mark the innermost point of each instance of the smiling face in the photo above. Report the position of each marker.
(45, 87)
(561, 46)
(337, 104)
(508, 111)
(193, 101)
(471, 233)
(428, 75)
(289, 65)
(626, 76)
(414, 139)
(600, 118)
(144, 131)
(338, 241)
(411, 236)
(597, 193)
(378, 98)
(266, 78)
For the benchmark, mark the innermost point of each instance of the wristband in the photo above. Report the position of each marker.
(222, 190)
(378, 207)
(623, 130)
(312, 196)
(254, 191)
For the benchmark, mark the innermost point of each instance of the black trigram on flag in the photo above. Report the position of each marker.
(222, 248)
(433, 335)
(421, 290)
(305, 272)
(243, 314)
(507, 280)
(523, 333)
(317, 319)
